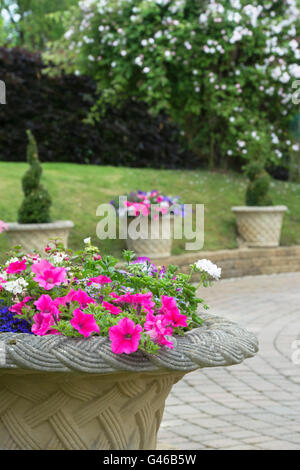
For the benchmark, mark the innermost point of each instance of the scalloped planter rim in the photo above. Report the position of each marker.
(259, 226)
(34, 237)
(70, 393)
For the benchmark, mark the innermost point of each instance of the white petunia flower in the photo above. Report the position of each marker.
(87, 240)
(209, 267)
(11, 260)
(58, 258)
(15, 287)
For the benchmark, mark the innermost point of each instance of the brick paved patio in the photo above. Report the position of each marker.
(255, 405)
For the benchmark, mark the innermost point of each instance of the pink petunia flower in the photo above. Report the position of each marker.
(2, 281)
(47, 276)
(84, 323)
(99, 280)
(16, 267)
(170, 310)
(42, 324)
(143, 300)
(114, 295)
(82, 298)
(66, 299)
(125, 336)
(158, 327)
(3, 226)
(41, 266)
(111, 308)
(17, 308)
(47, 306)
(138, 208)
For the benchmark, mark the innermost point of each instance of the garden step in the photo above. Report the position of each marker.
(242, 262)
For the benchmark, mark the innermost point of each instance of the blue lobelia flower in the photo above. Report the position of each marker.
(10, 324)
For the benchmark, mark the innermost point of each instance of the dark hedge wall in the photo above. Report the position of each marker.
(53, 109)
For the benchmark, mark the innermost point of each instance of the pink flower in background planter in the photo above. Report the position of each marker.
(16, 267)
(170, 310)
(158, 328)
(84, 323)
(3, 226)
(125, 336)
(47, 276)
(100, 280)
(138, 208)
(17, 308)
(46, 305)
(111, 308)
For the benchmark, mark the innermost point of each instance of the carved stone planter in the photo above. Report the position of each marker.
(259, 226)
(156, 237)
(34, 237)
(67, 393)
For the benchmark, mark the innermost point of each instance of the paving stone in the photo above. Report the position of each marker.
(221, 443)
(254, 405)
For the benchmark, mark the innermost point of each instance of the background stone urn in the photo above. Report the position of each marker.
(69, 393)
(35, 237)
(156, 237)
(259, 226)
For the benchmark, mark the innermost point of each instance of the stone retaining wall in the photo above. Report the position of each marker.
(242, 262)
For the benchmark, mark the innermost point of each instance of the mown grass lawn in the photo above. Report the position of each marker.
(77, 191)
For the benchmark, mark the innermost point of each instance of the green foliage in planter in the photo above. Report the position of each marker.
(259, 185)
(36, 203)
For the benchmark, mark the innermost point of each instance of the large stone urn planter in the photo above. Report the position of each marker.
(259, 226)
(66, 393)
(34, 237)
(155, 237)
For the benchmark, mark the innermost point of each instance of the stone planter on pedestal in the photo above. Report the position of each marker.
(34, 237)
(259, 226)
(155, 237)
(69, 393)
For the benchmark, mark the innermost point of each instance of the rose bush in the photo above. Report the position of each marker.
(140, 306)
(223, 69)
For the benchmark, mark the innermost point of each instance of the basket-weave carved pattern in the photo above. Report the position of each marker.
(260, 229)
(155, 238)
(65, 393)
(34, 237)
(151, 248)
(85, 412)
(37, 240)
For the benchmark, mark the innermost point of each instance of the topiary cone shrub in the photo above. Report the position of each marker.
(34, 228)
(259, 185)
(37, 201)
(259, 222)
